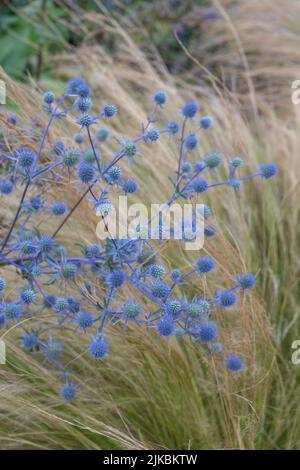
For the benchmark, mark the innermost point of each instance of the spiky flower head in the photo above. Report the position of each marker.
(190, 142)
(205, 265)
(153, 135)
(68, 392)
(28, 247)
(109, 110)
(83, 105)
(68, 270)
(186, 167)
(48, 97)
(115, 173)
(85, 320)
(129, 149)
(28, 296)
(2, 284)
(160, 289)
(98, 348)
(6, 186)
(173, 127)
(131, 309)
(199, 309)
(227, 299)
(86, 172)
(61, 304)
(166, 326)
(78, 138)
(236, 162)
(190, 109)
(157, 271)
(268, 170)
(26, 158)
(115, 278)
(86, 120)
(46, 244)
(173, 308)
(208, 332)
(58, 147)
(212, 159)
(130, 186)
(89, 155)
(71, 156)
(246, 281)
(176, 275)
(58, 208)
(102, 134)
(200, 166)
(206, 122)
(11, 311)
(160, 97)
(234, 363)
(29, 341)
(200, 185)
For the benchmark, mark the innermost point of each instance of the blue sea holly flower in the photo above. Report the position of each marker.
(157, 271)
(205, 265)
(191, 142)
(29, 341)
(153, 135)
(85, 320)
(48, 97)
(83, 105)
(28, 296)
(71, 156)
(160, 97)
(160, 289)
(212, 159)
(46, 244)
(200, 185)
(78, 138)
(75, 85)
(102, 134)
(268, 170)
(166, 326)
(2, 284)
(176, 275)
(173, 308)
(6, 186)
(216, 348)
(68, 392)
(208, 332)
(173, 127)
(86, 172)
(131, 310)
(129, 149)
(98, 348)
(130, 186)
(227, 299)
(109, 110)
(116, 279)
(190, 109)
(26, 158)
(11, 311)
(236, 162)
(58, 147)
(86, 120)
(68, 270)
(58, 208)
(234, 364)
(61, 305)
(206, 122)
(246, 281)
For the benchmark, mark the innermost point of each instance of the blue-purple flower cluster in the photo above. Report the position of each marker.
(42, 261)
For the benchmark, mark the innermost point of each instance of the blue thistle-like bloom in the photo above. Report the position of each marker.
(131, 309)
(153, 135)
(2, 284)
(173, 127)
(205, 265)
(49, 301)
(102, 134)
(109, 110)
(198, 309)
(190, 109)
(89, 155)
(160, 97)
(208, 332)
(29, 341)
(68, 270)
(268, 170)
(28, 296)
(83, 90)
(210, 231)
(46, 244)
(234, 363)
(71, 156)
(75, 85)
(186, 167)
(86, 120)
(227, 299)
(98, 348)
(212, 159)
(48, 97)
(165, 326)
(11, 311)
(12, 119)
(83, 105)
(85, 320)
(235, 183)
(78, 138)
(160, 289)
(86, 172)
(115, 173)
(200, 185)
(246, 281)
(6, 186)
(26, 158)
(93, 251)
(206, 122)
(36, 203)
(176, 275)
(236, 162)
(36, 271)
(68, 392)
(191, 142)
(130, 186)
(199, 166)
(174, 308)
(58, 208)
(129, 149)
(115, 278)
(157, 271)
(28, 248)
(74, 304)
(61, 304)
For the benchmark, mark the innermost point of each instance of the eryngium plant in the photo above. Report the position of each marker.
(42, 261)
